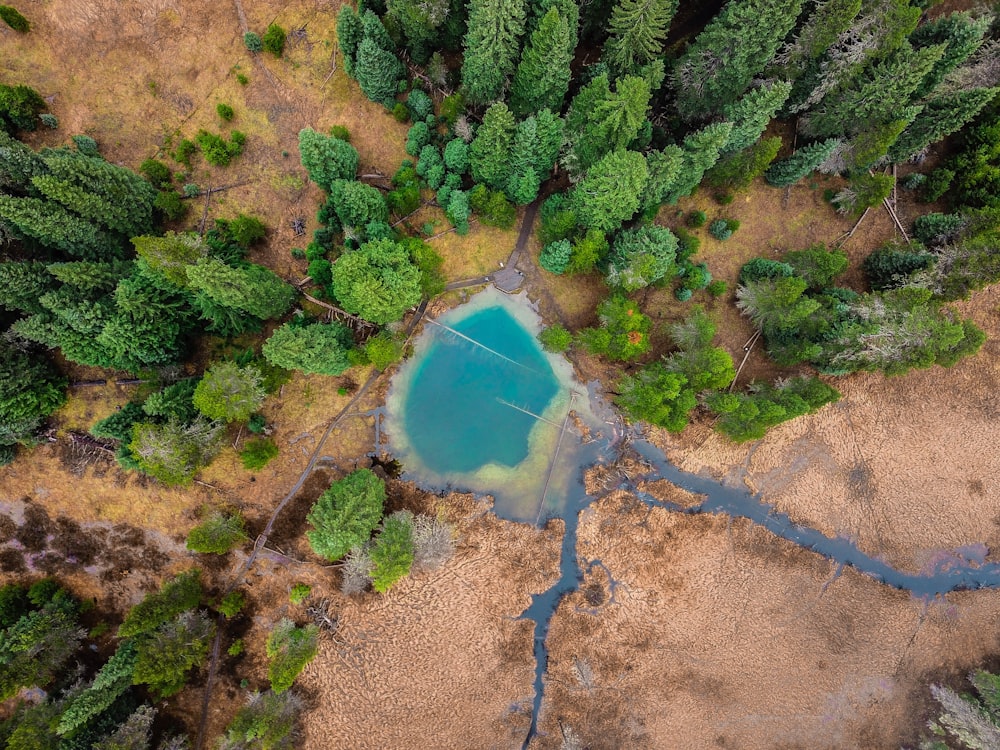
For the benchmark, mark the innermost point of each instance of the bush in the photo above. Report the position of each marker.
(224, 111)
(346, 514)
(241, 79)
(420, 104)
(256, 454)
(231, 604)
(683, 294)
(555, 338)
(340, 133)
(157, 173)
(49, 120)
(720, 230)
(274, 40)
(19, 108)
(687, 245)
(216, 150)
(218, 534)
(555, 256)
(383, 350)
(717, 288)
(86, 145)
(7, 454)
(913, 181)
(400, 113)
(236, 647)
(159, 607)
(256, 423)
(14, 19)
(253, 41)
(169, 203)
(299, 593)
(492, 207)
(696, 219)
(184, 151)
(289, 648)
(938, 229)
(392, 553)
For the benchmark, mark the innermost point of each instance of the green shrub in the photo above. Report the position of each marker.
(937, 184)
(392, 553)
(720, 230)
(241, 79)
(274, 40)
(118, 426)
(217, 150)
(19, 108)
(231, 604)
(256, 423)
(257, 453)
(683, 294)
(191, 190)
(217, 534)
(717, 288)
(420, 104)
(913, 181)
(400, 113)
(86, 145)
(687, 244)
(937, 228)
(157, 173)
(555, 338)
(159, 607)
(224, 111)
(253, 41)
(236, 647)
(14, 19)
(169, 203)
(184, 151)
(696, 219)
(340, 133)
(299, 593)
(289, 648)
(555, 256)
(383, 350)
(346, 514)
(7, 454)
(49, 120)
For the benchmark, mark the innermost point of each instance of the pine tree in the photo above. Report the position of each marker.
(793, 168)
(19, 108)
(350, 32)
(252, 289)
(91, 277)
(171, 254)
(543, 74)
(30, 389)
(392, 553)
(53, 226)
(638, 30)
(377, 281)
(735, 46)
(549, 128)
(642, 256)
(165, 656)
(23, 283)
(491, 47)
(419, 22)
(817, 34)
(701, 152)
(600, 120)
(961, 34)
(378, 71)
(751, 114)
(327, 159)
(609, 194)
(664, 171)
(346, 514)
(523, 183)
(489, 154)
(315, 348)
(111, 681)
(18, 164)
(940, 117)
(289, 649)
(229, 392)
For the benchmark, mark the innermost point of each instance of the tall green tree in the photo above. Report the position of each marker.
(173, 452)
(55, 227)
(350, 32)
(319, 348)
(393, 551)
(638, 30)
(378, 281)
(35, 648)
(165, 656)
(346, 514)
(523, 182)
(327, 159)
(820, 31)
(19, 108)
(489, 154)
(940, 117)
(420, 22)
(30, 389)
(171, 254)
(543, 74)
(18, 164)
(289, 649)
(751, 114)
(609, 194)
(491, 47)
(700, 152)
(601, 120)
(735, 46)
(642, 256)
(961, 34)
(22, 284)
(251, 289)
(793, 168)
(378, 71)
(229, 392)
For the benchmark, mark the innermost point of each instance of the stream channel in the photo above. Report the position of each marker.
(481, 408)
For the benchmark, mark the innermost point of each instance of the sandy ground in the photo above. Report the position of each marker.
(440, 661)
(708, 633)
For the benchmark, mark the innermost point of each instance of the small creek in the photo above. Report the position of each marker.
(560, 457)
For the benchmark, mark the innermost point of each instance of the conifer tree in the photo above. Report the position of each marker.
(827, 21)
(609, 194)
(489, 154)
(252, 289)
(229, 392)
(735, 46)
(378, 72)
(701, 152)
(171, 254)
(751, 114)
(793, 168)
(18, 164)
(664, 171)
(642, 256)
(350, 32)
(419, 21)
(19, 108)
(319, 348)
(327, 159)
(543, 74)
(601, 120)
(53, 226)
(30, 390)
(523, 183)
(377, 281)
(491, 47)
(940, 117)
(549, 128)
(638, 30)
(346, 514)
(961, 34)
(90, 276)
(23, 283)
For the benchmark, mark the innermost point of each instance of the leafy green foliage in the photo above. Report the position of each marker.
(863, 191)
(218, 534)
(165, 655)
(738, 170)
(393, 551)
(543, 74)
(319, 348)
(273, 40)
(217, 150)
(158, 173)
(250, 288)
(555, 256)
(642, 256)
(383, 350)
(30, 390)
(229, 392)
(790, 170)
(609, 194)
(555, 338)
(817, 265)
(289, 648)
(253, 42)
(491, 46)
(299, 593)
(326, 158)
(38, 644)
(489, 154)
(14, 19)
(173, 452)
(492, 207)
(657, 396)
(378, 281)
(19, 108)
(232, 604)
(224, 111)
(346, 514)
(638, 30)
(109, 684)
(746, 417)
(357, 204)
(588, 251)
(624, 331)
(257, 453)
(178, 595)
(267, 722)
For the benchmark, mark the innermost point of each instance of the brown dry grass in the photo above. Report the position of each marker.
(721, 635)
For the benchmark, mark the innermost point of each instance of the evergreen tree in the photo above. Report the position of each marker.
(23, 283)
(173, 452)
(110, 683)
(664, 171)
(252, 289)
(289, 649)
(961, 34)
(346, 514)
(377, 281)
(378, 71)
(657, 396)
(735, 46)
(549, 128)
(555, 256)
(456, 156)
(700, 153)
(642, 256)
(638, 30)
(91, 276)
(738, 170)
(18, 164)
(267, 722)
(165, 655)
(600, 120)
(319, 348)
(132, 734)
(393, 551)
(229, 392)
(791, 169)
(34, 649)
(491, 46)
(171, 254)
(523, 181)
(821, 29)
(350, 32)
(327, 159)
(609, 194)
(940, 117)
(419, 22)
(624, 331)
(30, 390)
(543, 74)
(751, 114)
(19, 108)
(489, 154)
(358, 204)
(53, 226)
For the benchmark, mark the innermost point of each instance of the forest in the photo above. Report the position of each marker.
(603, 115)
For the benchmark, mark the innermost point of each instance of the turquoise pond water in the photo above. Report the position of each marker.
(480, 407)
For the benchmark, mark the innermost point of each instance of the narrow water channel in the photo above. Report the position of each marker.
(481, 408)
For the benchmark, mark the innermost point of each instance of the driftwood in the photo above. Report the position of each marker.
(87, 383)
(338, 311)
